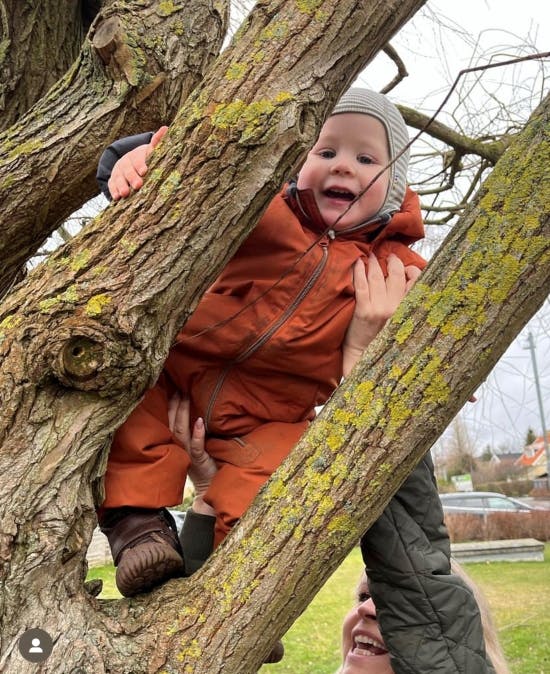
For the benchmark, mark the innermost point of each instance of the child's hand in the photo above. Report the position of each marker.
(203, 467)
(129, 170)
(376, 299)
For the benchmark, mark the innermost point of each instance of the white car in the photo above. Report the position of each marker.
(482, 503)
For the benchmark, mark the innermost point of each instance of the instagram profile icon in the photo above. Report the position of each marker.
(35, 645)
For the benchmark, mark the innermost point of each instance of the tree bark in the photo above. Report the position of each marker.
(39, 41)
(88, 333)
(89, 330)
(125, 80)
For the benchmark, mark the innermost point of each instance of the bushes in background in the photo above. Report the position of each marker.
(497, 526)
(510, 488)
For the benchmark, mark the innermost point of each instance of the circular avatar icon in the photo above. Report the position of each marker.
(35, 645)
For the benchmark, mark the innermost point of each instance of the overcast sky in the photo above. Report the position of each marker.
(467, 33)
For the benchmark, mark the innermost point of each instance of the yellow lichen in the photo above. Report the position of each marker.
(28, 147)
(236, 71)
(191, 650)
(275, 31)
(70, 295)
(129, 246)
(251, 120)
(405, 331)
(308, 6)
(48, 304)
(96, 304)
(170, 184)
(99, 270)
(80, 260)
(9, 322)
(167, 7)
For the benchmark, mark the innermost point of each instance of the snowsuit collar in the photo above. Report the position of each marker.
(406, 225)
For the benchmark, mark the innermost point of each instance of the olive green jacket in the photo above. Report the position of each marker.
(428, 617)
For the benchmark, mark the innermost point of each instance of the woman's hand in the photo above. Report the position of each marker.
(129, 170)
(203, 467)
(376, 299)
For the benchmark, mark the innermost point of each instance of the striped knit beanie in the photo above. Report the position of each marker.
(378, 106)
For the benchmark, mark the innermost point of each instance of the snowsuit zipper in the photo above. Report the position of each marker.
(262, 339)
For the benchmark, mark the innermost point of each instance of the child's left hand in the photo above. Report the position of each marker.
(376, 299)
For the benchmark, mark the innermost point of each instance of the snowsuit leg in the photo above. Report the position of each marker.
(146, 468)
(245, 464)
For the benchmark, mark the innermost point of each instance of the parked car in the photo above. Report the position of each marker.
(482, 503)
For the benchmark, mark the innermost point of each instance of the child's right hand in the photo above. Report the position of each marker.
(129, 170)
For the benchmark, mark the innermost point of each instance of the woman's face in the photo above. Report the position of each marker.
(362, 644)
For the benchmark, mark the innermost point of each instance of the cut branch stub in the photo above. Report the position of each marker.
(105, 38)
(114, 48)
(82, 358)
(88, 357)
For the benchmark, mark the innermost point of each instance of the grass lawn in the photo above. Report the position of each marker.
(518, 592)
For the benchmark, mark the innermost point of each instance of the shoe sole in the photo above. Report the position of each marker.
(145, 566)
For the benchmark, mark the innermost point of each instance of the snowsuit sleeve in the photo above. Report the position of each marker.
(113, 153)
(428, 617)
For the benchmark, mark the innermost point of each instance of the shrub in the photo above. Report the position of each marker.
(499, 526)
(510, 488)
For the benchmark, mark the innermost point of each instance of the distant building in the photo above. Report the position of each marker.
(533, 458)
(507, 461)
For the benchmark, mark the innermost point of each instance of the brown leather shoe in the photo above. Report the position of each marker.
(145, 547)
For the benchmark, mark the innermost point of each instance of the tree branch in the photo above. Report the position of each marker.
(391, 52)
(120, 291)
(491, 151)
(141, 86)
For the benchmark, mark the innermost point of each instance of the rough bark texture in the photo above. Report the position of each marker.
(139, 62)
(89, 331)
(39, 41)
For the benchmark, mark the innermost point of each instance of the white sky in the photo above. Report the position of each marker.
(487, 30)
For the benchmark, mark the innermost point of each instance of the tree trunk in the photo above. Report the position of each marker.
(125, 80)
(88, 333)
(39, 41)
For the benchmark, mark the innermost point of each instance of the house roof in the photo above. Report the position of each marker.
(534, 453)
(525, 460)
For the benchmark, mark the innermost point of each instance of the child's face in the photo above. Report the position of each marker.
(351, 149)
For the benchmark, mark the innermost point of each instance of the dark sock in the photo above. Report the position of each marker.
(196, 539)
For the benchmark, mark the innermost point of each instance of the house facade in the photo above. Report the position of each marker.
(534, 459)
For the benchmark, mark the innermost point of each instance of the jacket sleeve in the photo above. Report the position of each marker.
(113, 153)
(428, 617)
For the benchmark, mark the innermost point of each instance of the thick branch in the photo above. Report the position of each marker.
(35, 34)
(138, 83)
(490, 277)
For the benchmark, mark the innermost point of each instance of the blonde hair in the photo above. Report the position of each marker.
(490, 634)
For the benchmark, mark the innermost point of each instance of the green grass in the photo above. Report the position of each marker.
(519, 596)
(518, 593)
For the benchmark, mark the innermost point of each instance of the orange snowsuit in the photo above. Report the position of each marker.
(262, 349)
